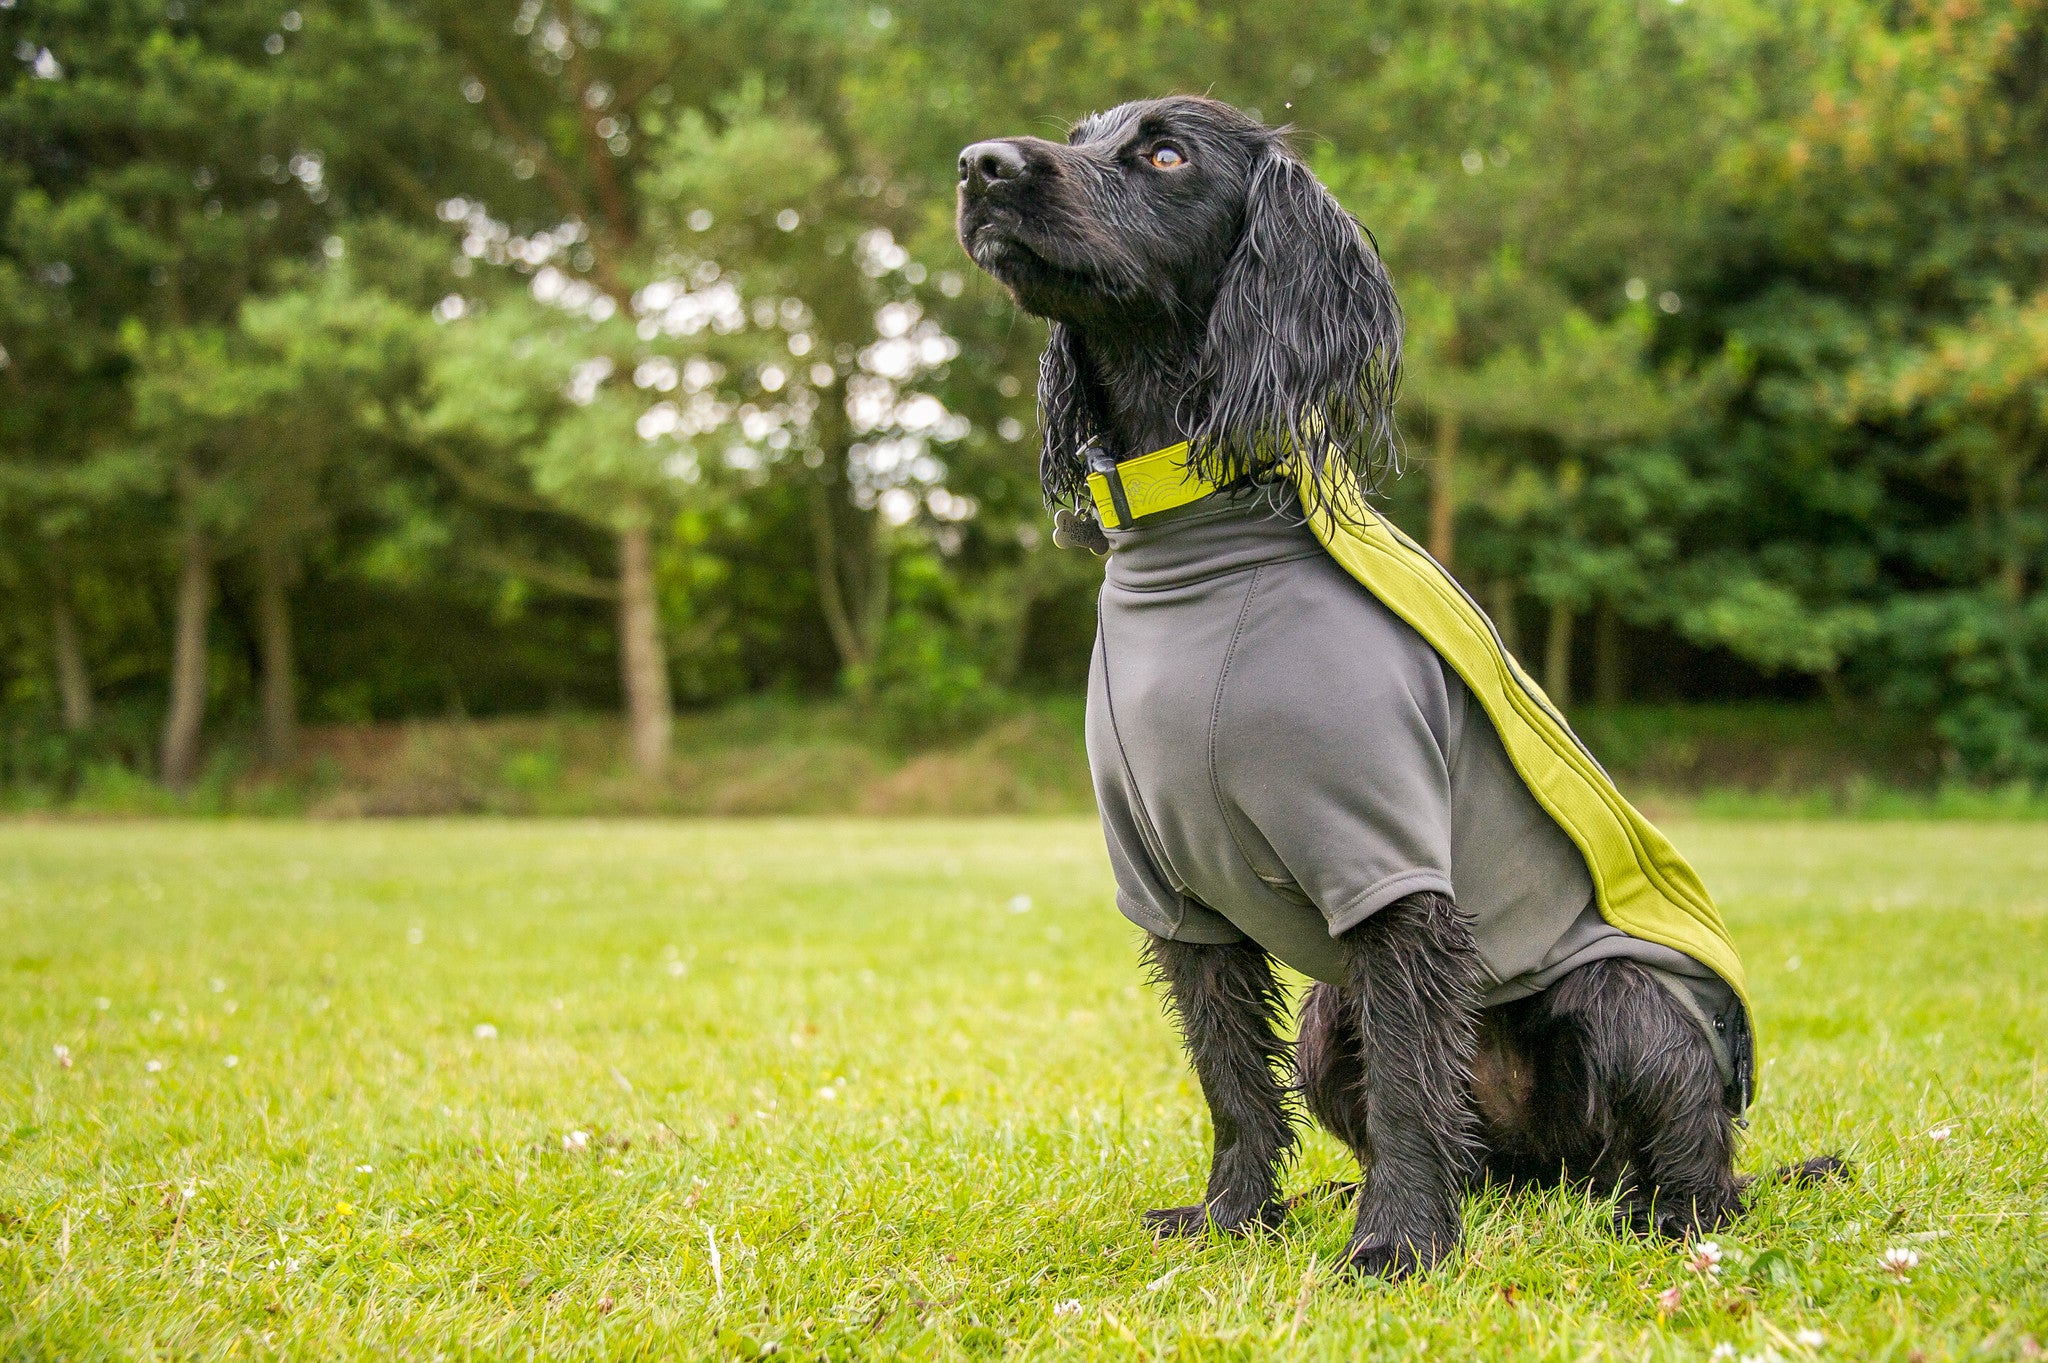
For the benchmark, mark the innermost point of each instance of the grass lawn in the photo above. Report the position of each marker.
(569, 1089)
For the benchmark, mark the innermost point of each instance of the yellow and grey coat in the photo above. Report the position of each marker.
(1295, 719)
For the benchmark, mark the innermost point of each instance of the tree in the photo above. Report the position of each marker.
(276, 413)
(1877, 260)
(835, 400)
(746, 314)
(161, 169)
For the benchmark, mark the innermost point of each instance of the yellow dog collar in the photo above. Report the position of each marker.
(1151, 483)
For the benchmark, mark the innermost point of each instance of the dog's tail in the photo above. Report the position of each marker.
(1805, 1173)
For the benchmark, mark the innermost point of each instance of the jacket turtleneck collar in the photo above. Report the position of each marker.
(1223, 533)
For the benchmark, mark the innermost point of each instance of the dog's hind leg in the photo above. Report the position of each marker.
(1329, 1073)
(1415, 974)
(1656, 1098)
(1330, 1076)
(1226, 1001)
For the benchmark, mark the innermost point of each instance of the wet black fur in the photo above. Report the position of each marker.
(1226, 1001)
(1232, 303)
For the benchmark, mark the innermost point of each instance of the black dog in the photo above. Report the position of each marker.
(1204, 286)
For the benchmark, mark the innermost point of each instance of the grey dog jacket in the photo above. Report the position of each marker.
(1277, 756)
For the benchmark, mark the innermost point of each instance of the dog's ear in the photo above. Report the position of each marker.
(1068, 418)
(1303, 350)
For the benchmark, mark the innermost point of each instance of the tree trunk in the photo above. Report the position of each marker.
(841, 622)
(280, 691)
(178, 761)
(1443, 492)
(851, 556)
(643, 658)
(2012, 566)
(1610, 661)
(74, 686)
(1557, 656)
(1501, 606)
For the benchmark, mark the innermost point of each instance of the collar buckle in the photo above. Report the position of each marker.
(1103, 465)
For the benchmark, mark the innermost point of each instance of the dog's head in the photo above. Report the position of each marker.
(1184, 217)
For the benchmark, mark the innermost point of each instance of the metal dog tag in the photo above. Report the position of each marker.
(1072, 530)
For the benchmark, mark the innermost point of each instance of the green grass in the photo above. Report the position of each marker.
(847, 1091)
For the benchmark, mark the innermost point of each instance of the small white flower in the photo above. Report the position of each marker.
(231, 1060)
(1070, 1307)
(829, 1094)
(1706, 1258)
(575, 1142)
(1723, 1350)
(63, 1054)
(678, 969)
(1898, 1261)
(1941, 1133)
(484, 1031)
(153, 1066)
(364, 1169)
(1809, 1339)
(1020, 903)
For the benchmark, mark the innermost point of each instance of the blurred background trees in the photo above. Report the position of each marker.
(373, 359)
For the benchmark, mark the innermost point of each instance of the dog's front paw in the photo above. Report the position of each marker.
(1396, 1255)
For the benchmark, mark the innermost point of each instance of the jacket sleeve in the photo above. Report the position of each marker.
(1334, 746)
(1146, 892)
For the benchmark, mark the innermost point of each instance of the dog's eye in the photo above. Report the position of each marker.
(1167, 157)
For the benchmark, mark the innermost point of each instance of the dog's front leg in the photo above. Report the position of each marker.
(1226, 999)
(1415, 975)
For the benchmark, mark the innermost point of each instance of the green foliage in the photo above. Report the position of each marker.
(1874, 276)
(928, 689)
(1978, 663)
(1733, 317)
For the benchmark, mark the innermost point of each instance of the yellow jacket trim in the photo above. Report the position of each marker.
(1642, 885)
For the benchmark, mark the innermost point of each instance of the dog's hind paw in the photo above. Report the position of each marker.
(1673, 1220)
(1195, 1220)
(1392, 1258)
(1166, 1221)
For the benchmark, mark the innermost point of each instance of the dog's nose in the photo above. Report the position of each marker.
(984, 163)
